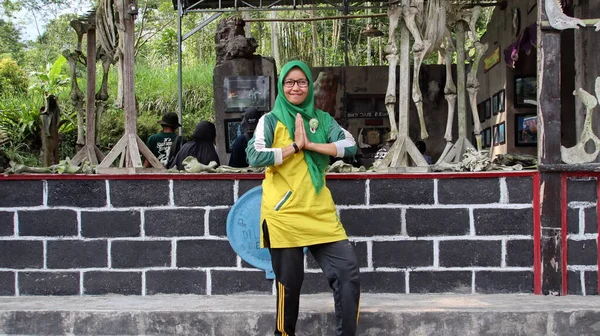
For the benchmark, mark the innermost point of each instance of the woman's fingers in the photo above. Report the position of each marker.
(299, 134)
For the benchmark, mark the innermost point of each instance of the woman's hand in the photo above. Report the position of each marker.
(300, 133)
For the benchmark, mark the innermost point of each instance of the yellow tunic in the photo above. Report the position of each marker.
(295, 214)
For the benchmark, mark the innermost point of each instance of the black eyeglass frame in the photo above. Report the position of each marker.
(294, 82)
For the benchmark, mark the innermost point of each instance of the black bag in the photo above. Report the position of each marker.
(175, 147)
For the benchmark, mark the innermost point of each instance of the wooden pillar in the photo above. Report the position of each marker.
(90, 98)
(549, 130)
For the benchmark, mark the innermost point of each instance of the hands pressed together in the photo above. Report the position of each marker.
(300, 137)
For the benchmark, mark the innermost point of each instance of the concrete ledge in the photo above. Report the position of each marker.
(381, 314)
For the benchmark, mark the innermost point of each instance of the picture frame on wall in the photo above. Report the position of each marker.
(525, 91)
(481, 112)
(487, 107)
(498, 102)
(487, 137)
(246, 91)
(495, 135)
(526, 129)
(233, 129)
(502, 133)
(499, 134)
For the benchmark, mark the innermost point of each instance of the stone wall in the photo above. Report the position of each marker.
(144, 235)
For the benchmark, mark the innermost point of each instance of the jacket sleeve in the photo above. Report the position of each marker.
(259, 151)
(343, 140)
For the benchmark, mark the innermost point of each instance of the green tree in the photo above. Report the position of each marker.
(10, 41)
(12, 78)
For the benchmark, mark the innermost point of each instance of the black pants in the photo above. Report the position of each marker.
(339, 264)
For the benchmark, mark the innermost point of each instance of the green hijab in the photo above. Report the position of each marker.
(286, 113)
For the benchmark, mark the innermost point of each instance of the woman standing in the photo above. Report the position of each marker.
(295, 141)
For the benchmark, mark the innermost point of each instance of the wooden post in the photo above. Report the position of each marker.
(549, 129)
(89, 150)
(130, 145)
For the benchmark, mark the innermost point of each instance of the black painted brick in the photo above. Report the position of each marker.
(582, 252)
(347, 192)
(403, 253)
(138, 254)
(503, 221)
(315, 283)
(519, 253)
(465, 253)
(83, 193)
(371, 222)
(7, 223)
(110, 224)
(382, 282)
(401, 191)
(574, 283)
(469, 191)
(100, 283)
(217, 222)
(437, 222)
(130, 193)
(174, 223)
(64, 254)
(488, 282)
(205, 253)
(573, 220)
(236, 282)
(360, 250)
(49, 283)
(582, 190)
(7, 283)
(440, 282)
(203, 192)
(591, 282)
(21, 254)
(51, 223)
(520, 189)
(591, 220)
(245, 185)
(21, 193)
(176, 282)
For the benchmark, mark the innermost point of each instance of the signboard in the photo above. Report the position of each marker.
(246, 91)
(491, 60)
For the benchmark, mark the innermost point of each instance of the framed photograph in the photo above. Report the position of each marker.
(502, 133)
(495, 135)
(233, 129)
(487, 108)
(525, 91)
(501, 100)
(498, 102)
(526, 129)
(487, 137)
(481, 111)
(246, 91)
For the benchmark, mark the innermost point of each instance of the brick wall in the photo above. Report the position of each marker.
(582, 236)
(167, 234)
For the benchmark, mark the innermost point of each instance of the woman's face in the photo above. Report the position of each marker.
(295, 86)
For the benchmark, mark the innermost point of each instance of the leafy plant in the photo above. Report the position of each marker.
(51, 81)
(12, 77)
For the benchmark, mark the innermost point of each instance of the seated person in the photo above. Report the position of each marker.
(422, 148)
(238, 148)
(202, 147)
(160, 144)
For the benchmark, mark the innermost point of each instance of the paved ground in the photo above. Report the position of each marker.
(381, 314)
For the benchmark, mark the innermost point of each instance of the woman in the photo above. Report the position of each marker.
(202, 147)
(295, 141)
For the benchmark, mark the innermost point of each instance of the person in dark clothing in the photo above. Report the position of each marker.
(238, 148)
(202, 147)
(422, 147)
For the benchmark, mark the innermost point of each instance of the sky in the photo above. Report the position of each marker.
(27, 24)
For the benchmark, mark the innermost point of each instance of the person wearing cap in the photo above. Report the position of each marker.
(238, 148)
(161, 144)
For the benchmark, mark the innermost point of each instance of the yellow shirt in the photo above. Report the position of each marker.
(295, 214)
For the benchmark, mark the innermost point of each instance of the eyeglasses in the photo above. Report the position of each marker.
(289, 83)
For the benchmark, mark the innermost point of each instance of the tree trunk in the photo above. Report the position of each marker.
(315, 40)
(50, 119)
(275, 40)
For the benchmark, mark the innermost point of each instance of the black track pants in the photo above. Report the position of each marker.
(339, 264)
